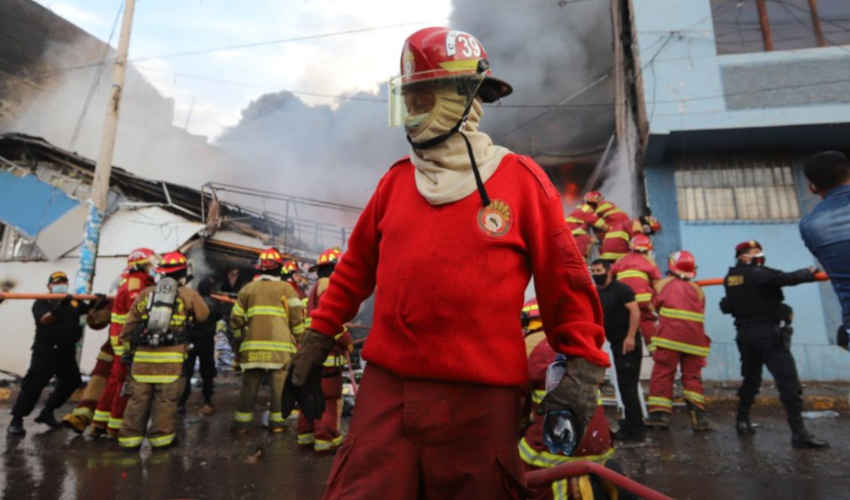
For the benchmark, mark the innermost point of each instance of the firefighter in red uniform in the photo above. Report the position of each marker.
(680, 341)
(596, 444)
(287, 274)
(448, 243)
(323, 434)
(582, 221)
(109, 413)
(639, 271)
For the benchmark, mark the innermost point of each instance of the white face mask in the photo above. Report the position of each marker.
(61, 288)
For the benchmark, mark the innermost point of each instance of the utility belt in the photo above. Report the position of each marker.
(144, 338)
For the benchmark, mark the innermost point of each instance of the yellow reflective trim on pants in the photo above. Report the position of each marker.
(559, 490)
(537, 396)
(115, 423)
(324, 445)
(306, 438)
(660, 401)
(243, 417)
(617, 234)
(694, 396)
(643, 297)
(632, 274)
(158, 357)
(669, 312)
(545, 459)
(159, 441)
(276, 311)
(101, 416)
(276, 417)
(267, 345)
(155, 379)
(612, 256)
(334, 361)
(118, 319)
(82, 411)
(130, 441)
(673, 345)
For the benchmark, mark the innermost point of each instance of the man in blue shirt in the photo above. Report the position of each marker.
(826, 230)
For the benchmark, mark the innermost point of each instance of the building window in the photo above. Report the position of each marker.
(736, 189)
(742, 26)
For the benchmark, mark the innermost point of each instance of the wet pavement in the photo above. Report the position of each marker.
(210, 463)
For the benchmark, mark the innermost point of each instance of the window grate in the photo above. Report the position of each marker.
(736, 189)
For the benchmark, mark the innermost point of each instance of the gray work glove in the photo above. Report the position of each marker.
(311, 354)
(577, 391)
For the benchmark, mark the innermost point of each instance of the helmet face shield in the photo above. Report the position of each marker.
(413, 97)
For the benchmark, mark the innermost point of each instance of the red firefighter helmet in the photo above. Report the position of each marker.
(172, 262)
(641, 243)
(269, 260)
(140, 257)
(289, 267)
(593, 197)
(327, 258)
(438, 53)
(530, 310)
(683, 264)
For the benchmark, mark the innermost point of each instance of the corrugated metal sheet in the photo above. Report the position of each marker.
(29, 205)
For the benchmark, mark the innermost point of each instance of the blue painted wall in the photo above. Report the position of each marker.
(30, 205)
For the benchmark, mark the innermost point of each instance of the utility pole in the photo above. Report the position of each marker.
(100, 184)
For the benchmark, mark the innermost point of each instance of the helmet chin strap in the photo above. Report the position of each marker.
(435, 141)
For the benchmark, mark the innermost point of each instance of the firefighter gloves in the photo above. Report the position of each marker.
(312, 353)
(577, 391)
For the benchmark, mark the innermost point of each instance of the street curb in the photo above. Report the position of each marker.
(819, 403)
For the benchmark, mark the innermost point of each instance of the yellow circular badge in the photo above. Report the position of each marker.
(495, 219)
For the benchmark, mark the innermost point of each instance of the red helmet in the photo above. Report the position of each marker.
(745, 246)
(530, 310)
(641, 243)
(328, 257)
(437, 53)
(140, 257)
(648, 224)
(593, 197)
(172, 262)
(683, 264)
(269, 260)
(289, 267)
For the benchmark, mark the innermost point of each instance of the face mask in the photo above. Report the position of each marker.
(758, 260)
(60, 288)
(599, 279)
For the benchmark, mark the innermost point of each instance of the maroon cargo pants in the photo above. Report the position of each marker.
(415, 439)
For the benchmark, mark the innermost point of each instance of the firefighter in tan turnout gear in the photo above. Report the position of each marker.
(265, 319)
(155, 331)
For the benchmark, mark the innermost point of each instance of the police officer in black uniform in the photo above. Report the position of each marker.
(754, 297)
(58, 328)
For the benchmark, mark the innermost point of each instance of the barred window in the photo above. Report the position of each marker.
(719, 190)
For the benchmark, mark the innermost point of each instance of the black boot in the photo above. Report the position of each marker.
(801, 438)
(16, 427)
(658, 419)
(699, 422)
(46, 417)
(742, 422)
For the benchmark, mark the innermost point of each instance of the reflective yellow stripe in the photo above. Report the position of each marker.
(267, 345)
(545, 459)
(115, 423)
(579, 232)
(632, 274)
(237, 310)
(617, 234)
(158, 357)
(276, 417)
(161, 440)
(298, 329)
(537, 396)
(531, 308)
(643, 297)
(612, 256)
(599, 224)
(306, 438)
(155, 379)
(276, 311)
(334, 361)
(604, 207)
(673, 345)
(308, 321)
(82, 411)
(104, 356)
(694, 396)
(118, 319)
(243, 417)
(668, 312)
(101, 416)
(559, 490)
(323, 445)
(130, 442)
(659, 401)
(574, 220)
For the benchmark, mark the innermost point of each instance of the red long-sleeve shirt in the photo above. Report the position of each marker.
(449, 279)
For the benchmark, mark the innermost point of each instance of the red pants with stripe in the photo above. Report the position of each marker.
(110, 406)
(323, 434)
(417, 439)
(663, 372)
(97, 384)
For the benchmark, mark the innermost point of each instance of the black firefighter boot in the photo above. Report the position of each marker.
(46, 417)
(658, 420)
(699, 422)
(801, 438)
(742, 422)
(16, 427)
